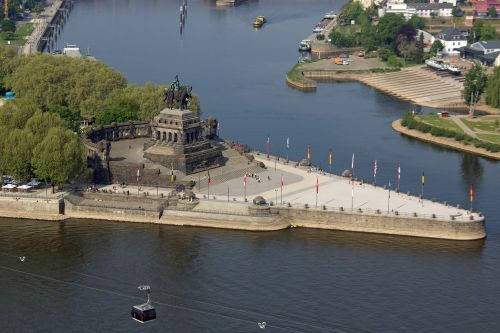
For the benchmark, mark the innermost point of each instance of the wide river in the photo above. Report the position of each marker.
(82, 276)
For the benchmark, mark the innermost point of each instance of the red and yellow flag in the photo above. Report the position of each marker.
(331, 157)
(308, 152)
(471, 192)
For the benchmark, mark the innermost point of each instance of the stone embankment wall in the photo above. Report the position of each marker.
(236, 216)
(31, 208)
(384, 224)
(302, 86)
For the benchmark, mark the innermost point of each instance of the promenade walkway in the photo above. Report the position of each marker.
(41, 23)
(464, 127)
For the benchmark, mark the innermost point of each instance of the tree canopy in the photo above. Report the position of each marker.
(493, 89)
(474, 85)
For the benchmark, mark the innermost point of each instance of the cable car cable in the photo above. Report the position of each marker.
(252, 312)
(180, 307)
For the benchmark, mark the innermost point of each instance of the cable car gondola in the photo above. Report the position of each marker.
(144, 312)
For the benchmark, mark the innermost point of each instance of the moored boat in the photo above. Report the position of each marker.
(435, 64)
(259, 22)
(305, 45)
(330, 15)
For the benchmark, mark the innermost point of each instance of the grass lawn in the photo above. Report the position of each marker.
(435, 120)
(495, 138)
(19, 36)
(481, 125)
(295, 74)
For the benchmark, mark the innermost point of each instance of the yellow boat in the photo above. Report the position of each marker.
(259, 22)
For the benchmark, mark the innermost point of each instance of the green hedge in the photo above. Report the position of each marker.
(411, 122)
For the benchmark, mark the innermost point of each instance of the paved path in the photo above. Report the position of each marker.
(464, 127)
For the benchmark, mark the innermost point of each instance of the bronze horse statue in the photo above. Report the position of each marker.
(181, 96)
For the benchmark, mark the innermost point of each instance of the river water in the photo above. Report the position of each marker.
(82, 275)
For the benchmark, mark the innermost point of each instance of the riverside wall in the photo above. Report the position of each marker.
(238, 216)
(31, 208)
(385, 224)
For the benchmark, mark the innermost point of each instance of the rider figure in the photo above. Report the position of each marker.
(175, 85)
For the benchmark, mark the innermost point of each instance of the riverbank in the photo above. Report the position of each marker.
(299, 204)
(442, 141)
(415, 84)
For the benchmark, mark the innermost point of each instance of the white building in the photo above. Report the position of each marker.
(420, 9)
(452, 39)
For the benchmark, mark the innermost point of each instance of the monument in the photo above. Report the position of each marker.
(181, 140)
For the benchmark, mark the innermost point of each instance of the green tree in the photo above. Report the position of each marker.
(474, 86)
(419, 54)
(60, 157)
(70, 117)
(436, 47)
(417, 22)
(8, 25)
(6, 54)
(37, 8)
(488, 32)
(119, 111)
(388, 26)
(456, 12)
(492, 12)
(80, 84)
(17, 153)
(493, 89)
(41, 122)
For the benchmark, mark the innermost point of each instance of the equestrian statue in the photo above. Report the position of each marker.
(177, 95)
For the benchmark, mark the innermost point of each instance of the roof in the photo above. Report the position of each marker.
(430, 6)
(491, 44)
(451, 34)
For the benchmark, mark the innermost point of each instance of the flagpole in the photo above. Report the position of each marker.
(281, 195)
(422, 192)
(389, 197)
(227, 193)
(317, 190)
(399, 175)
(352, 194)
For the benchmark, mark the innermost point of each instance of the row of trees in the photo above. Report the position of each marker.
(39, 130)
(394, 37)
(79, 88)
(36, 143)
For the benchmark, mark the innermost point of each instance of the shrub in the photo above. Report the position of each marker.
(436, 131)
(320, 37)
(459, 136)
(395, 61)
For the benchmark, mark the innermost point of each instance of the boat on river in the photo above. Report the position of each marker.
(305, 45)
(330, 15)
(436, 64)
(259, 22)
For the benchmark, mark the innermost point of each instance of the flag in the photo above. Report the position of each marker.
(138, 172)
(282, 183)
(331, 157)
(308, 152)
(399, 173)
(352, 161)
(288, 143)
(389, 188)
(209, 179)
(172, 173)
(317, 185)
(423, 179)
(375, 169)
(268, 143)
(471, 193)
(245, 181)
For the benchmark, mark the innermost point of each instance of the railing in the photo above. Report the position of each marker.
(31, 195)
(359, 211)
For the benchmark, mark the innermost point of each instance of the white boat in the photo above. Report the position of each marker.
(436, 65)
(453, 69)
(305, 45)
(330, 15)
(72, 51)
(318, 29)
